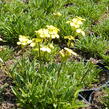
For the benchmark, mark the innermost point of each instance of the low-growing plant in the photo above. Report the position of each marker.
(92, 10)
(16, 19)
(43, 87)
(105, 98)
(49, 74)
(102, 28)
(92, 46)
(106, 59)
(5, 53)
(42, 44)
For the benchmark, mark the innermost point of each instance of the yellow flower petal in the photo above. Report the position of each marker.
(45, 49)
(51, 28)
(29, 41)
(80, 31)
(18, 43)
(69, 37)
(51, 46)
(70, 52)
(62, 53)
(33, 44)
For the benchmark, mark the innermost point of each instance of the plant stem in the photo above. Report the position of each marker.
(85, 74)
(58, 73)
(39, 56)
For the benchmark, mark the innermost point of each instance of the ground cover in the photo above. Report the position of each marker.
(54, 54)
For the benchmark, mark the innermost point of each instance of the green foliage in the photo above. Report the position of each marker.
(42, 79)
(87, 8)
(6, 53)
(47, 5)
(102, 28)
(105, 98)
(105, 58)
(18, 18)
(92, 46)
(44, 88)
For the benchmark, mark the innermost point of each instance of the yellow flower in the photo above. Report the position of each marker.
(1, 60)
(51, 46)
(54, 35)
(45, 49)
(43, 33)
(62, 53)
(57, 14)
(29, 41)
(33, 44)
(50, 32)
(69, 37)
(76, 22)
(66, 52)
(23, 40)
(1, 39)
(52, 29)
(80, 31)
(70, 52)
(18, 43)
(35, 41)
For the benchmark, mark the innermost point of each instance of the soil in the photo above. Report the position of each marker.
(7, 98)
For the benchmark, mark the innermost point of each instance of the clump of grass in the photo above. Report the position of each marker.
(41, 83)
(15, 20)
(105, 98)
(88, 9)
(102, 28)
(5, 53)
(92, 46)
(39, 87)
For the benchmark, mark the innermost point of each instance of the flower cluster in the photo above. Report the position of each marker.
(23, 40)
(76, 23)
(42, 43)
(48, 32)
